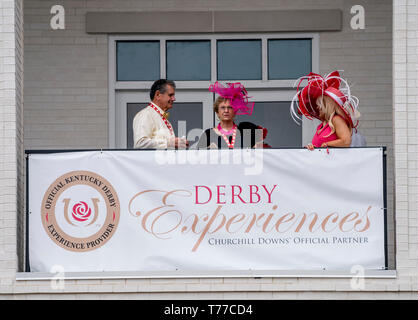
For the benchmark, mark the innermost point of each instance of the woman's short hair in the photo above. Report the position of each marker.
(217, 102)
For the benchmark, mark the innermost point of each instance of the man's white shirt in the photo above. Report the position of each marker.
(150, 130)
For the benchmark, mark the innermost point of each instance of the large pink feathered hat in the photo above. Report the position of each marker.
(237, 94)
(331, 85)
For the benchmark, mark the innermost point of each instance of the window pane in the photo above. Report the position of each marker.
(138, 60)
(283, 132)
(289, 59)
(188, 60)
(239, 59)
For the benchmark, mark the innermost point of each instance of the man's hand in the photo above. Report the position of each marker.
(181, 143)
(178, 143)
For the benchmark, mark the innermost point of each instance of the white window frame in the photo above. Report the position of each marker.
(144, 86)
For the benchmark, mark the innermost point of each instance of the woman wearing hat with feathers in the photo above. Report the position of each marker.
(232, 101)
(328, 99)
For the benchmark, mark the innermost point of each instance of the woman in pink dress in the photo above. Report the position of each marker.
(329, 100)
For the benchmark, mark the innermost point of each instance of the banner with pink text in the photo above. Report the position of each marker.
(206, 210)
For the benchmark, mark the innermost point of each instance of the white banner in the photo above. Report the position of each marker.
(198, 210)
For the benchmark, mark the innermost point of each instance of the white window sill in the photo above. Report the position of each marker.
(27, 276)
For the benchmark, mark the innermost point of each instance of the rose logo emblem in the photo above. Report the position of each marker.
(81, 211)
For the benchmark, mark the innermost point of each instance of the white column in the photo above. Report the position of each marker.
(405, 112)
(11, 140)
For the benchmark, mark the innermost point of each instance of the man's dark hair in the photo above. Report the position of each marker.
(160, 85)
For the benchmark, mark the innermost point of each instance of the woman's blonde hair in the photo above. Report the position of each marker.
(330, 108)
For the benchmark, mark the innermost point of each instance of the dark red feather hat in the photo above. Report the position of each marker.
(333, 86)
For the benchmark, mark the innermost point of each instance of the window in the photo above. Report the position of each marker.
(138, 60)
(266, 64)
(272, 115)
(239, 59)
(263, 58)
(188, 60)
(289, 58)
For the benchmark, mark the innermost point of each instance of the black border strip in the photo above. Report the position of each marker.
(27, 264)
(385, 204)
(37, 151)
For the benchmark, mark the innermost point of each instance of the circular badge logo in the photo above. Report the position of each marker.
(80, 211)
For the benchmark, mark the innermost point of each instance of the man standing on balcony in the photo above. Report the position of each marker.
(151, 128)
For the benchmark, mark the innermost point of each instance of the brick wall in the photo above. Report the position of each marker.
(66, 105)
(65, 80)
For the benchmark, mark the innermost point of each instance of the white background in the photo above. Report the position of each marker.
(343, 181)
